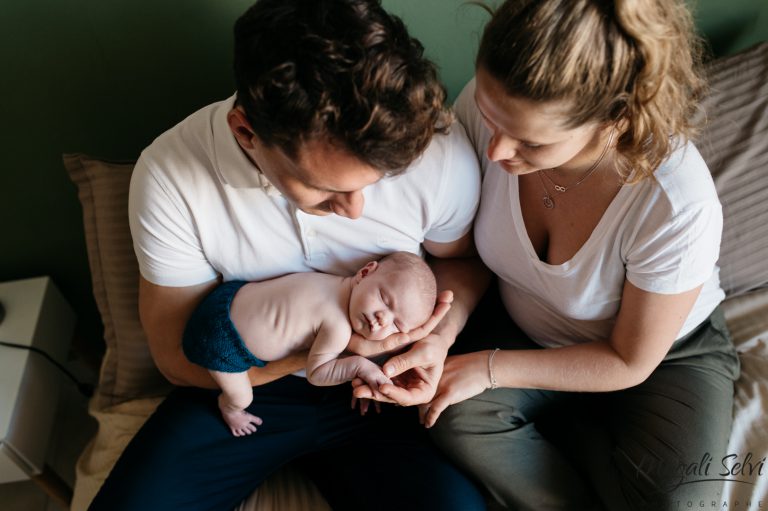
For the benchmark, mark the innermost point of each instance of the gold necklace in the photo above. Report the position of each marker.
(549, 203)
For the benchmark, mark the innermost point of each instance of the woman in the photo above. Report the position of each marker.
(603, 226)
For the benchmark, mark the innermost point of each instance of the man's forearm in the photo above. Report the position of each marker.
(187, 374)
(277, 369)
(468, 278)
(181, 372)
(164, 313)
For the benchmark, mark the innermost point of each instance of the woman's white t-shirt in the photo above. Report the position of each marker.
(661, 235)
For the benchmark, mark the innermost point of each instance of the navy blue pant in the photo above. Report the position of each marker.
(185, 457)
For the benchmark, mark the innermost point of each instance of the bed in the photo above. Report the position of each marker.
(735, 145)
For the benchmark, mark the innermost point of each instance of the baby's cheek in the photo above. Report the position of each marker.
(357, 328)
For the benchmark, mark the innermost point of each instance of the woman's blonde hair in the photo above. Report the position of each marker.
(632, 62)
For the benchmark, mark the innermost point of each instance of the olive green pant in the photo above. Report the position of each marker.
(623, 450)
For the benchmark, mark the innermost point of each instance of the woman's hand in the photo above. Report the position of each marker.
(464, 376)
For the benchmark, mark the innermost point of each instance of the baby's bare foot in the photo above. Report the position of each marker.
(240, 422)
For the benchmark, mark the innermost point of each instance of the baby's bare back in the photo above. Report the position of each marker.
(281, 316)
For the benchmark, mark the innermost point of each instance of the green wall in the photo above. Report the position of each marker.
(106, 76)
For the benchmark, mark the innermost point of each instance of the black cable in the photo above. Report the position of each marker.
(85, 389)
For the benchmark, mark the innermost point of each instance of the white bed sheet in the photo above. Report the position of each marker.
(747, 318)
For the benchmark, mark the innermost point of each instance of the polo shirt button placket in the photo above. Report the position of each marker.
(302, 231)
(306, 247)
(310, 237)
(315, 247)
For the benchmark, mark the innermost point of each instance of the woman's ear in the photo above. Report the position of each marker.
(240, 127)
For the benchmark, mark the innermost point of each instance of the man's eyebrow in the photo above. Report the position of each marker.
(305, 176)
(321, 188)
(329, 190)
(325, 189)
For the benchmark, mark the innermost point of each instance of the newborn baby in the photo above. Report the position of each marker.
(242, 324)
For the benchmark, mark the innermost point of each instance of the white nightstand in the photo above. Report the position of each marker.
(35, 315)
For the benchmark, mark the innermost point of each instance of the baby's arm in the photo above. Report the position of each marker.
(236, 395)
(324, 367)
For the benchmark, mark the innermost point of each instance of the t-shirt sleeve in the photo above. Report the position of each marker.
(458, 194)
(679, 255)
(164, 236)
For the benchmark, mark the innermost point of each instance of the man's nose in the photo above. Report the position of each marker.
(349, 204)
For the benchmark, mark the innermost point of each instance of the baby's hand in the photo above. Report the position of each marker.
(372, 374)
(365, 404)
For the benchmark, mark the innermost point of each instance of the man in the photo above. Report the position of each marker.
(323, 160)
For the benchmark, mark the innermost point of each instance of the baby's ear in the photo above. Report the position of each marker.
(366, 270)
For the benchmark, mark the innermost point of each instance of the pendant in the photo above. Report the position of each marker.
(548, 202)
(561, 189)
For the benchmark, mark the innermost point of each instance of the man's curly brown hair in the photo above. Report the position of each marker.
(341, 71)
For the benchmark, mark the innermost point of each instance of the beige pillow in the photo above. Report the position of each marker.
(735, 145)
(127, 370)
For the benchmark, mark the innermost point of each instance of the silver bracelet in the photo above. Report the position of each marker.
(491, 376)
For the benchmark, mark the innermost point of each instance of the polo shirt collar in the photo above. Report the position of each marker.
(232, 165)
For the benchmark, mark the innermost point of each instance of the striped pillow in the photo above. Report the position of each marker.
(127, 370)
(734, 144)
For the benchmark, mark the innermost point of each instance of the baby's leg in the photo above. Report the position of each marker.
(236, 396)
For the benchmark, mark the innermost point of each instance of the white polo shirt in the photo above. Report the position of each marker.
(198, 208)
(661, 235)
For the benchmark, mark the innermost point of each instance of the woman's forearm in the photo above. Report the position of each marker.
(588, 367)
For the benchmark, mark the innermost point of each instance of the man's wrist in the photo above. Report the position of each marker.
(447, 331)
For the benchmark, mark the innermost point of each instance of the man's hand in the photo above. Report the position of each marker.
(444, 300)
(359, 345)
(367, 348)
(416, 372)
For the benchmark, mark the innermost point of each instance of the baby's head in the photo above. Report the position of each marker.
(395, 294)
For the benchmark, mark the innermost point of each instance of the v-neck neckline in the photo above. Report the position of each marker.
(522, 231)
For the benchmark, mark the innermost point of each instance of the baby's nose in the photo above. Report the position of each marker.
(381, 318)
